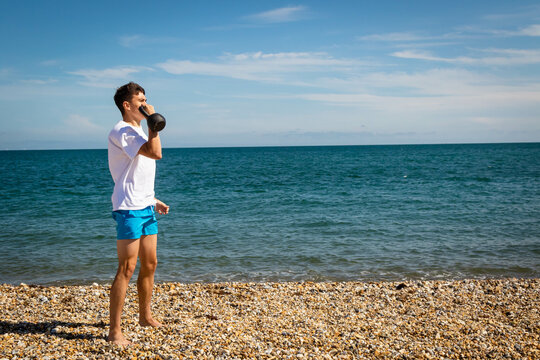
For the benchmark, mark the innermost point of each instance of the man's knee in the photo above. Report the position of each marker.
(126, 270)
(149, 265)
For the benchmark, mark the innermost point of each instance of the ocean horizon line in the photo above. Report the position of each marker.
(289, 146)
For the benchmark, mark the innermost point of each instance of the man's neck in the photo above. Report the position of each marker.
(132, 121)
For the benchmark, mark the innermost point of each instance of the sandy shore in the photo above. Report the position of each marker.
(413, 320)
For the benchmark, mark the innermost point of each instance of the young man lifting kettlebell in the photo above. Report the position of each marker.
(132, 163)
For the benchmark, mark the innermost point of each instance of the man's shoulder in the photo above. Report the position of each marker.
(126, 138)
(116, 132)
(120, 128)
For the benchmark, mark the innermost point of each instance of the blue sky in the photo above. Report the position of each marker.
(257, 73)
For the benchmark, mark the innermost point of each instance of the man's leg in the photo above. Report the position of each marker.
(145, 282)
(127, 261)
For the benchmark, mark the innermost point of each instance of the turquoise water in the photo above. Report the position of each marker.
(283, 214)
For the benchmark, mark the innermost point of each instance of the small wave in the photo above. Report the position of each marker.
(323, 224)
(482, 179)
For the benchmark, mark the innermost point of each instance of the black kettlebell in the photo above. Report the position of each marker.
(156, 121)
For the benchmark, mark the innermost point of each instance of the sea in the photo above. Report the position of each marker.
(279, 214)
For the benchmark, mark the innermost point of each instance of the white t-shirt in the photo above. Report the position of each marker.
(133, 174)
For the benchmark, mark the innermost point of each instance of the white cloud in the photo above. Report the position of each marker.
(39, 81)
(424, 39)
(133, 41)
(425, 104)
(5, 72)
(502, 57)
(425, 96)
(115, 73)
(532, 30)
(52, 62)
(258, 66)
(418, 55)
(432, 82)
(461, 32)
(428, 83)
(72, 131)
(129, 41)
(442, 93)
(108, 77)
(396, 36)
(518, 14)
(284, 14)
(81, 125)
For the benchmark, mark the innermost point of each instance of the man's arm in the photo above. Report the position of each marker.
(161, 207)
(151, 148)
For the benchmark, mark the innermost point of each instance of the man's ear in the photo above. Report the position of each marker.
(126, 105)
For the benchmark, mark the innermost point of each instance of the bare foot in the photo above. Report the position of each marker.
(119, 340)
(150, 322)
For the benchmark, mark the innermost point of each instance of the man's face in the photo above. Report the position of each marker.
(133, 105)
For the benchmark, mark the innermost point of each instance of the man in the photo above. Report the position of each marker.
(132, 163)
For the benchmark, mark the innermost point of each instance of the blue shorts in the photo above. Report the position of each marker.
(132, 224)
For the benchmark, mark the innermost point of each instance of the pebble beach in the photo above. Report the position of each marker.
(465, 319)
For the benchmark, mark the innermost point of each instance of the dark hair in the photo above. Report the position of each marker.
(125, 93)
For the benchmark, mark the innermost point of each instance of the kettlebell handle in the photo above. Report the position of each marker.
(156, 121)
(143, 111)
